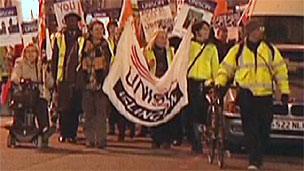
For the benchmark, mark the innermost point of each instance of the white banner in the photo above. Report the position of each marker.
(10, 32)
(193, 10)
(63, 7)
(155, 14)
(136, 93)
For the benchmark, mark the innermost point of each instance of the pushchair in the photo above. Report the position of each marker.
(23, 99)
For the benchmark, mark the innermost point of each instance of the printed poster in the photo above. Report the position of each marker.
(154, 15)
(195, 10)
(10, 32)
(63, 7)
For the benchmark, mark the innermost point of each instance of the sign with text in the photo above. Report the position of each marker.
(30, 27)
(226, 20)
(10, 33)
(64, 7)
(193, 10)
(155, 15)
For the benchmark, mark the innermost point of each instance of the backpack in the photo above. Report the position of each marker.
(240, 50)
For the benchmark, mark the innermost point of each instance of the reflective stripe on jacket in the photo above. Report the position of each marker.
(256, 77)
(112, 48)
(206, 65)
(62, 50)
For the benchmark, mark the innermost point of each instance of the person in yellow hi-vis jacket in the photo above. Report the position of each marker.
(112, 28)
(159, 57)
(255, 64)
(203, 66)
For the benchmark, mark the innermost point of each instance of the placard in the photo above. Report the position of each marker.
(10, 32)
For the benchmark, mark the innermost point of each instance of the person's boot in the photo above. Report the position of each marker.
(102, 144)
(177, 143)
(121, 138)
(155, 145)
(167, 146)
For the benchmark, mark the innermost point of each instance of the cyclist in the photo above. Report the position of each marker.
(254, 71)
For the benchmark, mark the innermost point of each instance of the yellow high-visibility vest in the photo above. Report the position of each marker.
(256, 77)
(111, 47)
(206, 65)
(62, 50)
(150, 56)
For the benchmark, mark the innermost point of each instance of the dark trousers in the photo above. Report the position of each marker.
(69, 107)
(177, 128)
(122, 124)
(162, 134)
(196, 112)
(256, 115)
(112, 119)
(94, 106)
(40, 111)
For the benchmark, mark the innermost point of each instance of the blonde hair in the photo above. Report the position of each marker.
(151, 42)
(28, 46)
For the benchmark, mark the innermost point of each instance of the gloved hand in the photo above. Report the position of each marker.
(284, 99)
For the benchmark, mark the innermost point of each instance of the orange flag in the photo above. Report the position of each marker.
(126, 12)
(221, 7)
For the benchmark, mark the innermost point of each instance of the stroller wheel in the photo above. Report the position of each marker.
(11, 141)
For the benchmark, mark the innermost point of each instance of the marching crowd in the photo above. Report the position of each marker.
(80, 64)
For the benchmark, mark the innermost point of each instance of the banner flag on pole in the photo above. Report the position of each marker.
(136, 93)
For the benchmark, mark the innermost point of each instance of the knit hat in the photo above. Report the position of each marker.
(70, 15)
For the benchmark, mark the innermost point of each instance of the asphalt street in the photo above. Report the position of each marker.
(133, 154)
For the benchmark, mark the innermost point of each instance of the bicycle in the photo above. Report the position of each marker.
(214, 133)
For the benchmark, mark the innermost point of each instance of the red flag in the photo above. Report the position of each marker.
(42, 24)
(5, 92)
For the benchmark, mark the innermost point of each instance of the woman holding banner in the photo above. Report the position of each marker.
(159, 56)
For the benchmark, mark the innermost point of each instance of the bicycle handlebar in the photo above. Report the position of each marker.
(214, 92)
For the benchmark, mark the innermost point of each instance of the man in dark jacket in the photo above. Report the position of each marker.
(64, 64)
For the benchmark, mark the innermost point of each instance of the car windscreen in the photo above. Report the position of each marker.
(284, 29)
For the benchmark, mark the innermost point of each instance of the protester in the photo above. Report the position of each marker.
(95, 62)
(112, 41)
(177, 126)
(115, 117)
(64, 64)
(202, 69)
(159, 56)
(254, 65)
(29, 67)
(6, 65)
(222, 43)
